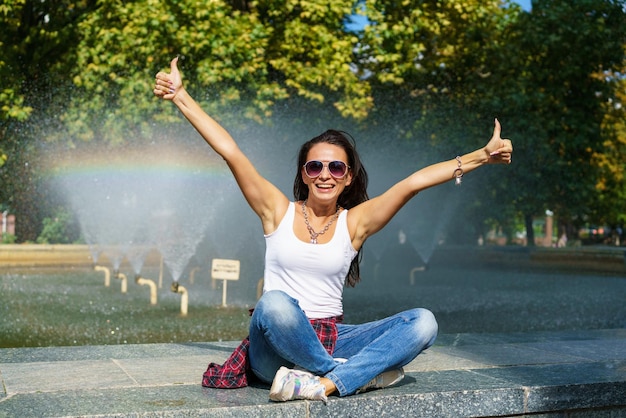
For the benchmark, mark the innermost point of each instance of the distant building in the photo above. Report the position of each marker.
(7, 224)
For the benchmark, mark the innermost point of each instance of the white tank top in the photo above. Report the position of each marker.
(314, 274)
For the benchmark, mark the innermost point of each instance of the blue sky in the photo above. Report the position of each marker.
(359, 21)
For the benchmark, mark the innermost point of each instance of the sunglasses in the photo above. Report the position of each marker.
(337, 169)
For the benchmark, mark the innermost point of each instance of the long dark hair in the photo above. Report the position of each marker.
(352, 195)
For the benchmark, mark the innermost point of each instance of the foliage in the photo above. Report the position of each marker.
(36, 43)
(8, 239)
(436, 74)
(247, 60)
(558, 58)
(424, 72)
(11, 100)
(38, 40)
(58, 230)
(610, 158)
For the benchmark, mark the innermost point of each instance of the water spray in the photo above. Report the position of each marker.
(259, 288)
(153, 287)
(376, 268)
(184, 299)
(192, 274)
(124, 279)
(161, 272)
(107, 274)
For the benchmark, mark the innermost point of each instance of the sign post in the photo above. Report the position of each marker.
(225, 270)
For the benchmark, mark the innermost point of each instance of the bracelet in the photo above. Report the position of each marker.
(458, 172)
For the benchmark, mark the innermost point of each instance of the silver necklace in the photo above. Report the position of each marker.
(312, 232)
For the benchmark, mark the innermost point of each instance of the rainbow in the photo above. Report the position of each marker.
(128, 161)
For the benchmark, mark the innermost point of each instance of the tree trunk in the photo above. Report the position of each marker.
(530, 233)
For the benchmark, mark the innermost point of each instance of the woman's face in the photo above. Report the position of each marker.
(325, 186)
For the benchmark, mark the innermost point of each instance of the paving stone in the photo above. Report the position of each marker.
(544, 374)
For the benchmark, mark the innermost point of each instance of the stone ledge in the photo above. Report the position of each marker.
(420, 396)
(548, 374)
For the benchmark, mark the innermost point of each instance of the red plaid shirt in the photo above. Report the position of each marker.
(235, 372)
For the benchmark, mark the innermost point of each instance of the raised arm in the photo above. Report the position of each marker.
(264, 198)
(372, 215)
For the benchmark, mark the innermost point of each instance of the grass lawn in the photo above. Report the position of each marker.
(73, 307)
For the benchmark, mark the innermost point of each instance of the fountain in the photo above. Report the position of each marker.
(404, 248)
(170, 211)
(179, 201)
(136, 256)
(126, 209)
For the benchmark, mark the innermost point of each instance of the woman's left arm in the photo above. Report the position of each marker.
(372, 215)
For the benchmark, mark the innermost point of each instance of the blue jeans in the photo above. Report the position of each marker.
(281, 335)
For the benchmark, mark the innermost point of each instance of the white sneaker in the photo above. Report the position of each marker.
(290, 384)
(384, 380)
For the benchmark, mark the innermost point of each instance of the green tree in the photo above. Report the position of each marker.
(12, 107)
(560, 64)
(425, 72)
(38, 40)
(86, 69)
(440, 70)
(247, 57)
(435, 73)
(609, 207)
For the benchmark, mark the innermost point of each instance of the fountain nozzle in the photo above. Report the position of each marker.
(107, 274)
(414, 270)
(153, 288)
(184, 296)
(123, 278)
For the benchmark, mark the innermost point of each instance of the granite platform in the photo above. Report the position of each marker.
(542, 374)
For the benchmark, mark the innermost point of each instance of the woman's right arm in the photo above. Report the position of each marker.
(266, 200)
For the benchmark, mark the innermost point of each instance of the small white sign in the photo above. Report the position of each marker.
(225, 269)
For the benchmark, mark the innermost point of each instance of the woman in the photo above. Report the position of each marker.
(297, 341)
